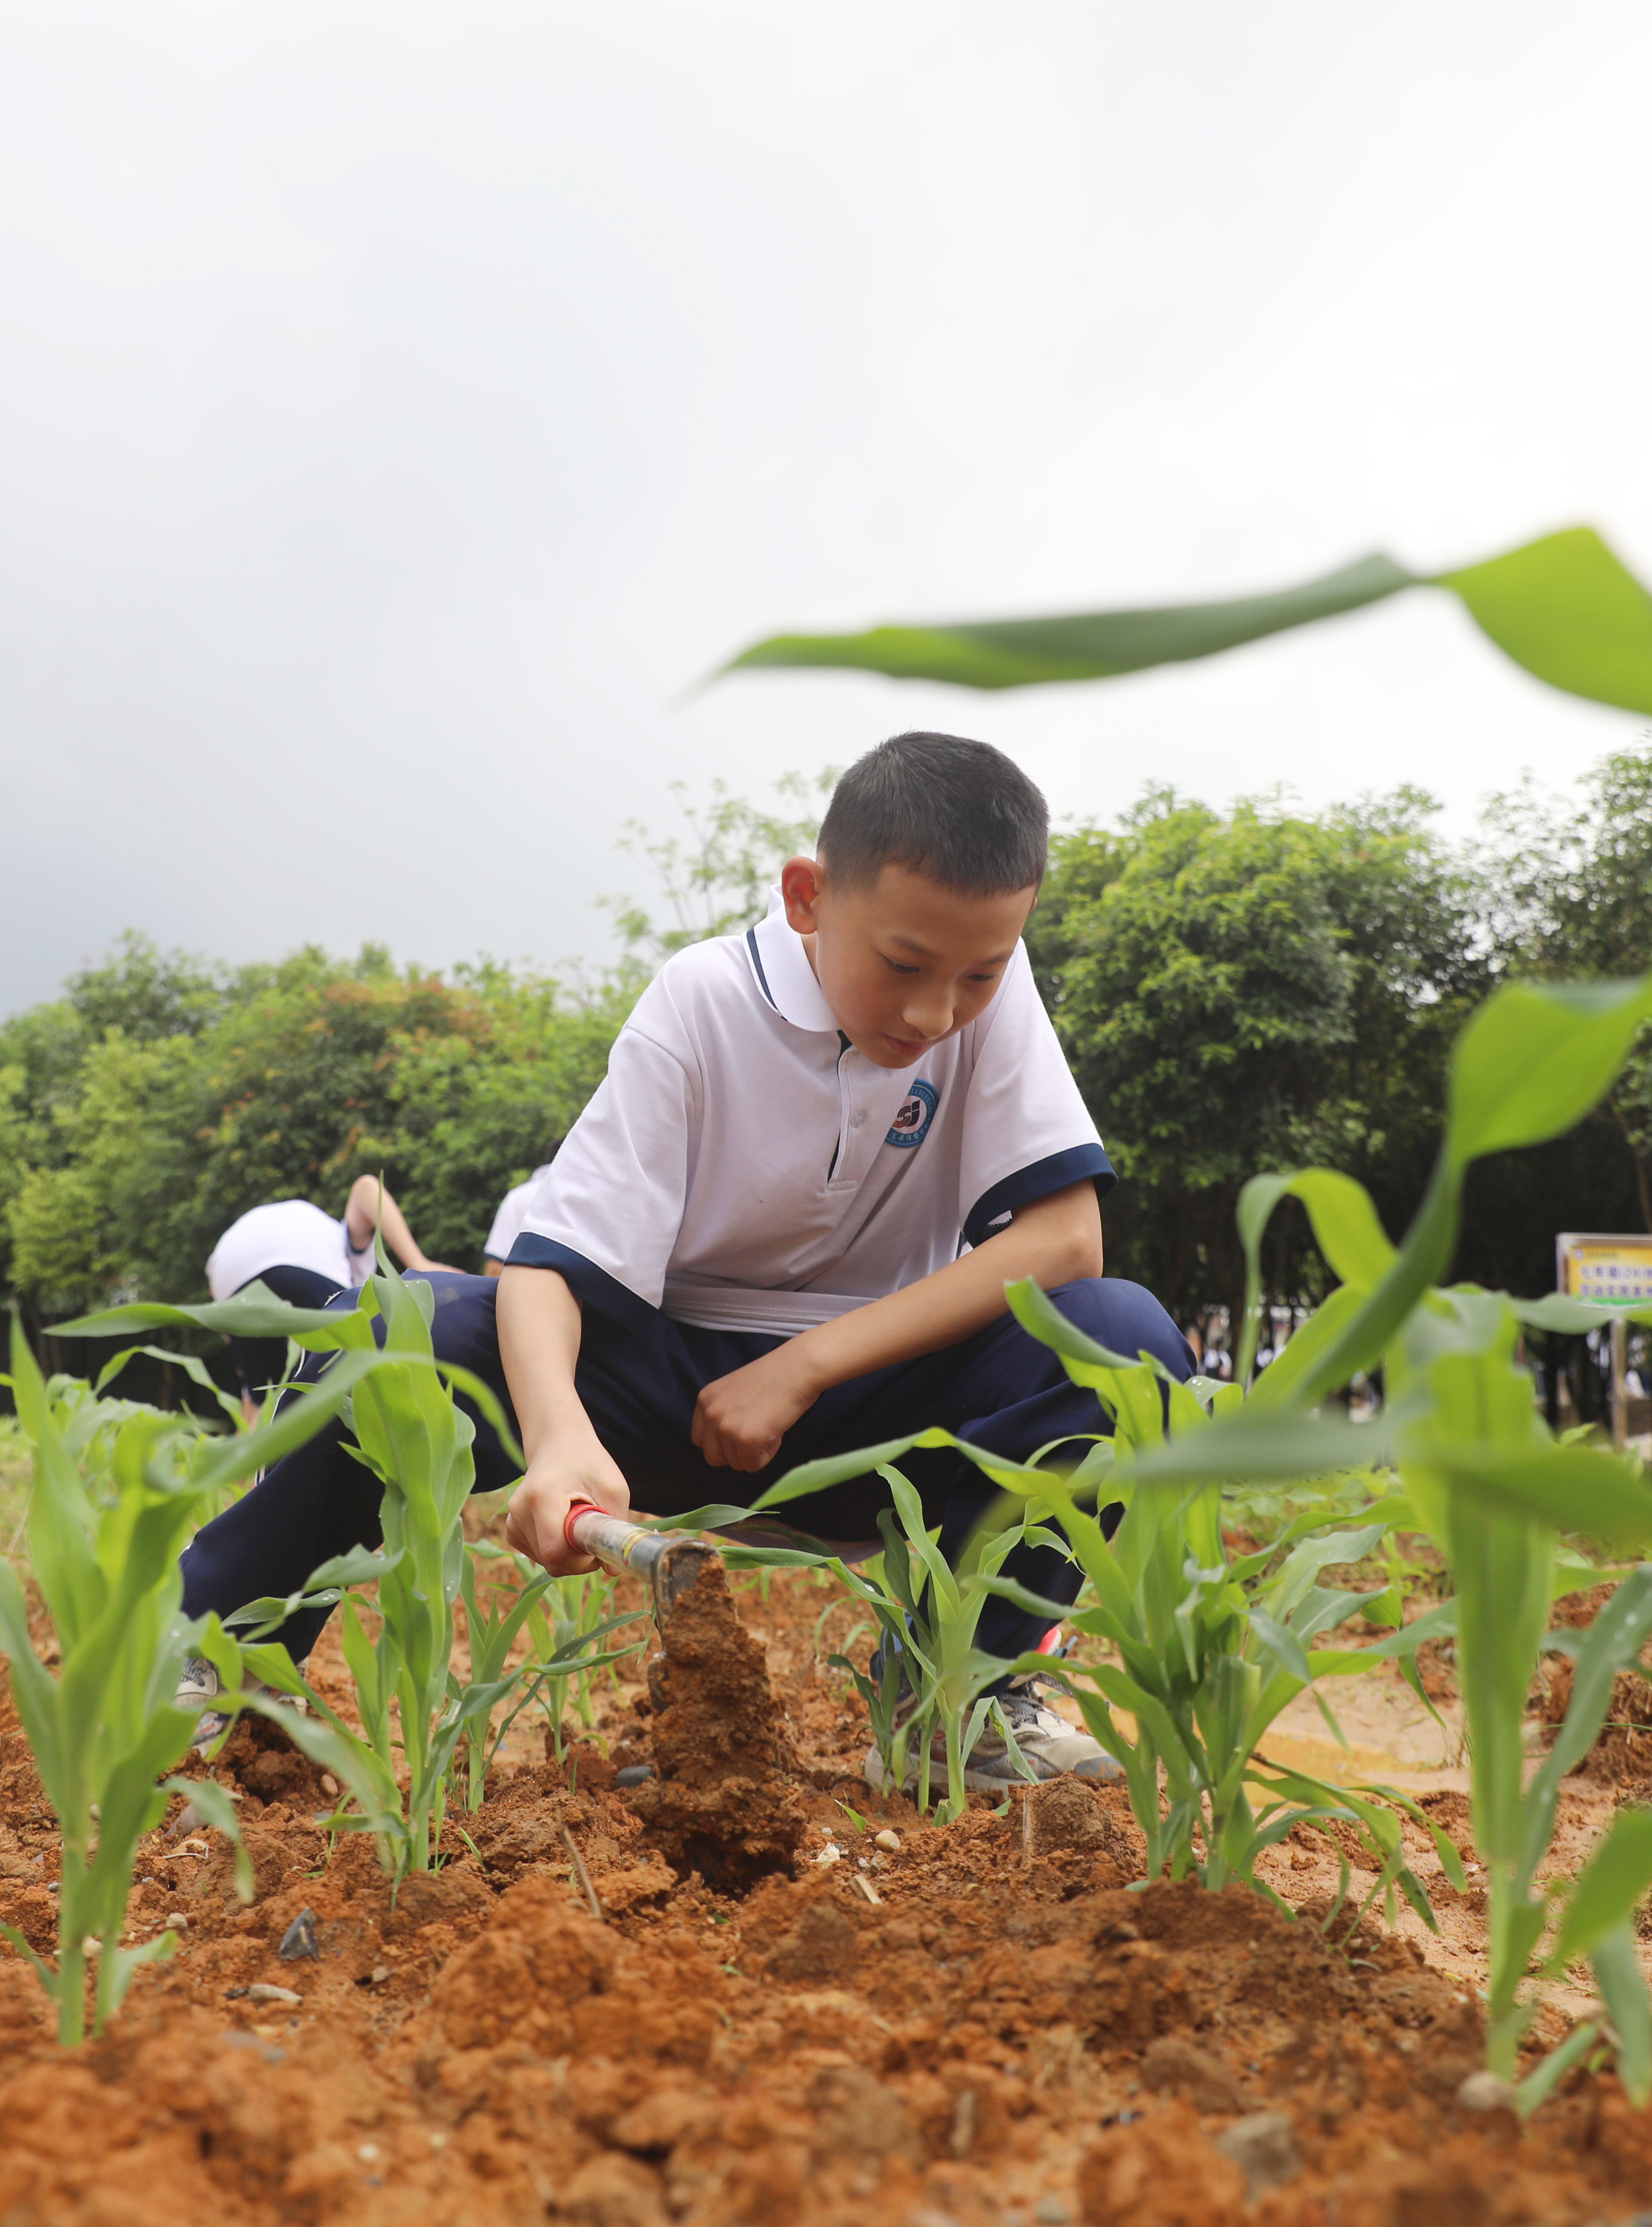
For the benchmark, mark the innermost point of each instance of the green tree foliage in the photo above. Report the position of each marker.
(162, 1096)
(1575, 899)
(1254, 989)
(142, 1126)
(715, 876)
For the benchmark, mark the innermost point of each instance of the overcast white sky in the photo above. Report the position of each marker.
(400, 404)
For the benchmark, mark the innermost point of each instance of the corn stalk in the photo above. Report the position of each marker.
(117, 1490)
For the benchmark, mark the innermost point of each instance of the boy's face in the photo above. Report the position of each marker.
(904, 961)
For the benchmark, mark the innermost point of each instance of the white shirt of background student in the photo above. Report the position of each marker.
(507, 1222)
(292, 1233)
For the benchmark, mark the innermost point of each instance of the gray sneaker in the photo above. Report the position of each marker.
(1049, 1745)
(201, 1686)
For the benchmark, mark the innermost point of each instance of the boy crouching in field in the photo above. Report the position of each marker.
(782, 1228)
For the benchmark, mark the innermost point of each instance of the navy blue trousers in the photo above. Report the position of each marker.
(1000, 1390)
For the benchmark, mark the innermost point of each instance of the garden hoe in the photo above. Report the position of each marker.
(671, 1563)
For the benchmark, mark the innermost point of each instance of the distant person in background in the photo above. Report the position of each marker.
(507, 1223)
(306, 1257)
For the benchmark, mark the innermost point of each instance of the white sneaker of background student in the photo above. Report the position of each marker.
(201, 1684)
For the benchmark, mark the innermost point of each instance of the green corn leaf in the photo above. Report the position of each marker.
(1346, 1225)
(1577, 1488)
(331, 1744)
(255, 1312)
(1282, 1644)
(1500, 1564)
(1321, 1334)
(1263, 1449)
(1350, 1234)
(116, 1966)
(1040, 1316)
(228, 1460)
(1539, 2085)
(1612, 1642)
(477, 1388)
(1617, 1974)
(910, 1507)
(192, 1368)
(1093, 645)
(836, 1469)
(1608, 1888)
(214, 1806)
(1569, 612)
(1401, 1646)
(1562, 607)
(1559, 1311)
(45, 1973)
(323, 1588)
(1534, 1058)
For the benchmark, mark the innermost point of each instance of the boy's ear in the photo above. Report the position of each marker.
(801, 882)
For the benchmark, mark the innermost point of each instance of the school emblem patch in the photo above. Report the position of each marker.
(911, 1124)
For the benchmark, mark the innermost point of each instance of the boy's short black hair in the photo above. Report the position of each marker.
(957, 810)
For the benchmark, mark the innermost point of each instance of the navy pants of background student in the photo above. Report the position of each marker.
(1000, 1390)
(257, 1362)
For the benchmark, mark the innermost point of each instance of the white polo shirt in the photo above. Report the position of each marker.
(744, 1167)
(507, 1222)
(289, 1234)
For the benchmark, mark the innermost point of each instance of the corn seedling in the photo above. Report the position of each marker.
(117, 1490)
(494, 1622)
(1209, 1649)
(564, 1620)
(1486, 1479)
(931, 1677)
(409, 1432)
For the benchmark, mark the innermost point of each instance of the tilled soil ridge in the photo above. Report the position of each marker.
(992, 2024)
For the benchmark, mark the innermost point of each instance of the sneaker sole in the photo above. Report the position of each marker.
(1099, 1770)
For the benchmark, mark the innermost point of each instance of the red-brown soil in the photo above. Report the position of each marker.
(983, 2025)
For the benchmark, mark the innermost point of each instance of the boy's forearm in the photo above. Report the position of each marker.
(1056, 1240)
(539, 1325)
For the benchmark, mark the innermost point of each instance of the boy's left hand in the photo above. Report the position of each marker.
(740, 1419)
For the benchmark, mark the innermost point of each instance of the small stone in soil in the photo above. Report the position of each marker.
(379, 1974)
(368, 2152)
(890, 1842)
(1052, 2211)
(1483, 2091)
(176, 1917)
(299, 1940)
(1263, 2147)
(635, 1774)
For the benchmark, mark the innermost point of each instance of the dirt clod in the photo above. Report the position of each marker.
(1175, 2065)
(720, 1805)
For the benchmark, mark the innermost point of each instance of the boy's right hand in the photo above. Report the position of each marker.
(539, 1509)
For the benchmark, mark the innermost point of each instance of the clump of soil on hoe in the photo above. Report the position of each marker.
(982, 2025)
(718, 1804)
